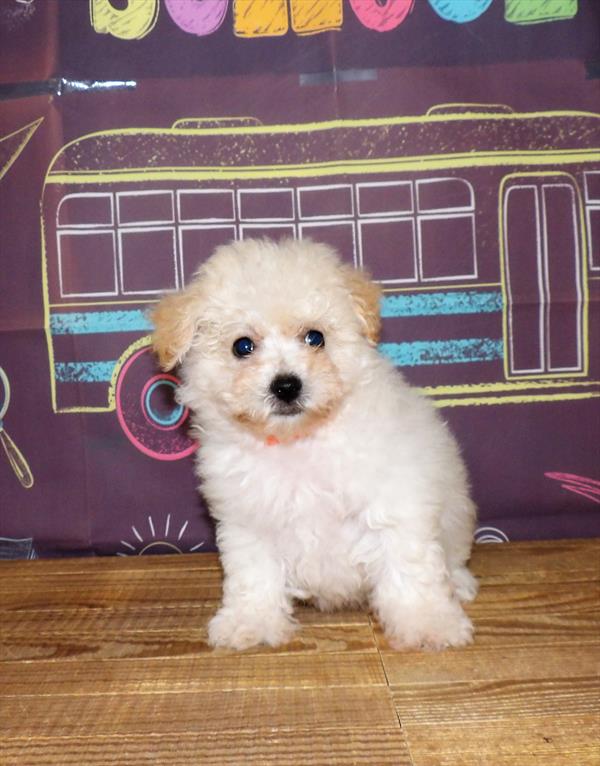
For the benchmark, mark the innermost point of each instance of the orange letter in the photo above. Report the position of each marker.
(260, 18)
(131, 23)
(318, 16)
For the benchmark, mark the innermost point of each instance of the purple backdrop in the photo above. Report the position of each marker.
(456, 155)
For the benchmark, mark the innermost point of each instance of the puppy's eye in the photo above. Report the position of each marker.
(243, 347)
(314, 338)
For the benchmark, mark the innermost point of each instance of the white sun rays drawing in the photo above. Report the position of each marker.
(156, 541)
(490, 535)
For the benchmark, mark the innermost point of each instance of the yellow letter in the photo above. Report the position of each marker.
(260, 18)
(318, 16)
(131, 23)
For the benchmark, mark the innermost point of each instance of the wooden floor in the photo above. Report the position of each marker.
(104, 661)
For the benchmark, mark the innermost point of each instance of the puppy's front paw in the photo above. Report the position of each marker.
(240, 629)
(431, 628)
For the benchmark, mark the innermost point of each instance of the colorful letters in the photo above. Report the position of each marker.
(271, 18)
(197, 17)
(130, 23)
(539, 11)
(260, 18)
(317, 16)
(460, 11)
(381, 16)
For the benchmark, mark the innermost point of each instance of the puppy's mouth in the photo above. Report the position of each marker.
(287, 410)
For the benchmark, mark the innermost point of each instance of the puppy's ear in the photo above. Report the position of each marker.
(174, 318)
(366, 297)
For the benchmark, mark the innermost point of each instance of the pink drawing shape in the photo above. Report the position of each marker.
(197, 17)
(382, 17)
(127, 431)
(580, 485)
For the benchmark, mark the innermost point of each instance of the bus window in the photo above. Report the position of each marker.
(381, 237)
(147, 207)
(433, 240)
(76, 210)
(196, 243)
(523, 280)
(147, 258)
(446, 231)
(147, 247)
(592, 198)
(562, 276)
(266, 204)
(335, 201)
(339, 235)
(87, 263)
(377, 199)
(447, 247)
(272, 231)
(543, 275)
(205, 205)
(441, 195)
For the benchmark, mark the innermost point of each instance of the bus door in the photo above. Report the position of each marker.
(543, 278)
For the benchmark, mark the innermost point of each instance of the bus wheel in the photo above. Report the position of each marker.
(148, 413)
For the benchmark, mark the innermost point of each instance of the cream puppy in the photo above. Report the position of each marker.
(329, 478)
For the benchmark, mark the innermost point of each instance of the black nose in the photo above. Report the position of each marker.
(286, 388)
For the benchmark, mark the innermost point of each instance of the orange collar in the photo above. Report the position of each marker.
(272, 440)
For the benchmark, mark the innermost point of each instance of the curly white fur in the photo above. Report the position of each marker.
(357, 495)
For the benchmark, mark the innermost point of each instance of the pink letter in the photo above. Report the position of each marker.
(197, 17)
(382, 16)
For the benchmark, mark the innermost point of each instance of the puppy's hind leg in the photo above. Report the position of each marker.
(464, 583)
(457, 536)
(255, 608)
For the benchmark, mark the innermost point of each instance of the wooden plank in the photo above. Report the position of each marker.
(483, 701)
(201, 673)
(483, 663)
(540, 561)
(340, 746)
(561, 598)
(156, 629)
(89, 714)
(521, 615)
(106, 662)
(551, 740)
(518, 560)
(144, 617)
(106, 640)
(189, 562)
(107, 587)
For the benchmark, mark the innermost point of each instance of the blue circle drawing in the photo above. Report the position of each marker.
(162, 420)
(460, 11)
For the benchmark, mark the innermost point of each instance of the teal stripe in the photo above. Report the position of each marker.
(434, 304)
(423, 304)
(443, 351)
(83, 372)
(408, 354)
(85, 323)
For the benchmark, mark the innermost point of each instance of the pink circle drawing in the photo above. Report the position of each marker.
(197, 17)
(381, 16)
(147, 411)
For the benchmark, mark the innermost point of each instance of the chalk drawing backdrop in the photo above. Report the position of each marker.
(385, 196)
(468, 184)
(158, 536)
(257, 18)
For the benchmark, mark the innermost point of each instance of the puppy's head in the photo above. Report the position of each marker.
(268, 335)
